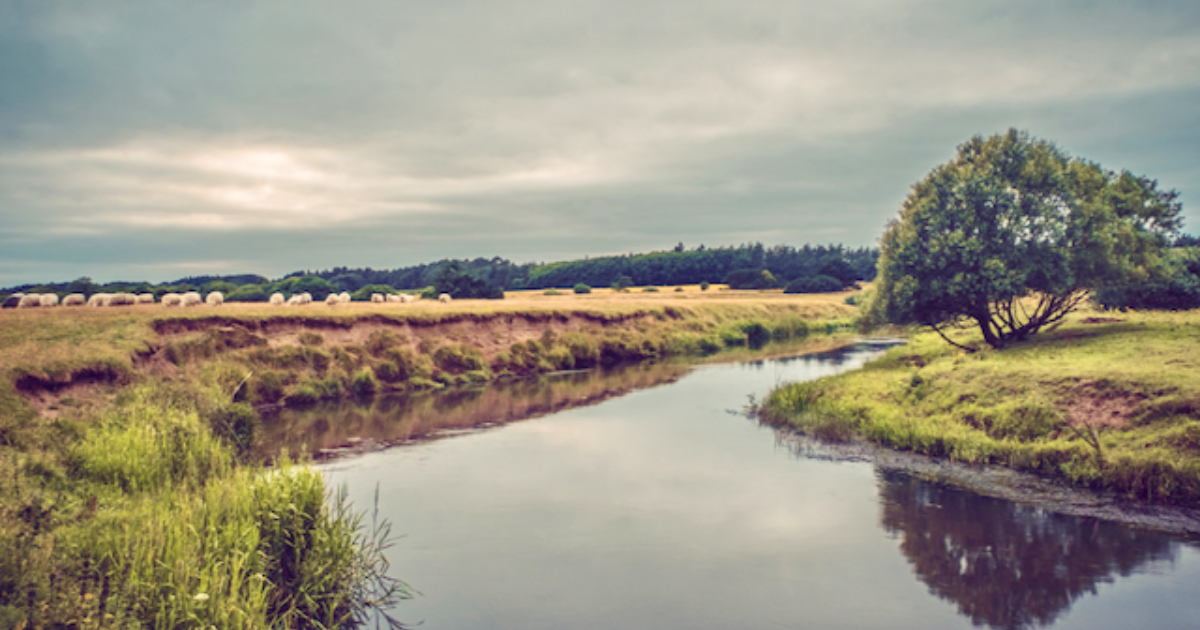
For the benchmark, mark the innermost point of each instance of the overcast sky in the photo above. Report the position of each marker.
(158, 139)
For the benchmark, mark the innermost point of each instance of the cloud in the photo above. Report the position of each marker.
(541, 130)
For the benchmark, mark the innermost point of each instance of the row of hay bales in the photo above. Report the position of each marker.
(191, 298)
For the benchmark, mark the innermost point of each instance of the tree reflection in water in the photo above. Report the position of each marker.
(1007, 565)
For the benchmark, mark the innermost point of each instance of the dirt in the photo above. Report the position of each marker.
(1092, 405)
(492, 334)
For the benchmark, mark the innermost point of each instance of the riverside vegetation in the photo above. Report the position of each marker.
(1102, 402)
(130, 496)
(1011, 238)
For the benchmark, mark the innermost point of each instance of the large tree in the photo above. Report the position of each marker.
(1011, 234)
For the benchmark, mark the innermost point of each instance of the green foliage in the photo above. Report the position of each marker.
(1177, 289)
(1012, 217)
(306, 393)
(704, 285)
(248, 293)
(317, 286)
(815, 284)
(459, 358)
(837, 268)
(364, 293)
(461, 284)
(622, 282)
(750, 279)
(582, 288)
(650, 290)
(364, 383)
(551, 292)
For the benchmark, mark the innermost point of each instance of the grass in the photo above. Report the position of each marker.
(126, 495)
(1112, 405)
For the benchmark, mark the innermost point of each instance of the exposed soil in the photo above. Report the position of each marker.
(1100, 408)
(491, 334)
(56, 396)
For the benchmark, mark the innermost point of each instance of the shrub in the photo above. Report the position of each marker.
(757, 335)
(364, 294)
(582, 288)
(459, 359)
(745, 279)
(381, 341)
(306, 393)
(551, 292)
(704, 285)
(236, 423)
(679, 289)
(584, 349)
(363, 382)
(815, 284)
(650, 290)
(268, 388)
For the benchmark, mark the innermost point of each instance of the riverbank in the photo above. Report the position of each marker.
(127, 494)
(1108, 402)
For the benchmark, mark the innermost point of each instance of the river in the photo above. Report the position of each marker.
(642, 498)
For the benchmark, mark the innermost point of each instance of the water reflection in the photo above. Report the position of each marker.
(1003, 564)
(347, 427)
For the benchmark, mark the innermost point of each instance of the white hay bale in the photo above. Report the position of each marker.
(172, 299)
(30, 300)
(444, 298)
(277, 299)
(344, 297)
(191, 298)
(376, 298)
(306, 297)
(13, 300)
(74, 299)
(49, 299)
(123, 299)
(96, 300)
(392, 298)
(145, 298)
(215, 298)
(332, 299)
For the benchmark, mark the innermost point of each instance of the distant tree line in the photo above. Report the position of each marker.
(783, 263)
(489, 277)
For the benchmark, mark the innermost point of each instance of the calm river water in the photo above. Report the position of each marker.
(641, 499)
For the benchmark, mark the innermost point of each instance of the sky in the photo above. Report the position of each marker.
(151, 140)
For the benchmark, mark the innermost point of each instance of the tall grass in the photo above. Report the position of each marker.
(147, 522)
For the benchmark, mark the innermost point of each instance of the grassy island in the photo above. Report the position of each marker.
(1107, 400)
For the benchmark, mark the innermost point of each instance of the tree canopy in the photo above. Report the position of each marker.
(1010, 235)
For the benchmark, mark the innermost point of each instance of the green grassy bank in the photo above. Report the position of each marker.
(127, 499)
(1112, 405)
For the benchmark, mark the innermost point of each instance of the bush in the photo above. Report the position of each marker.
(306, 393)
(582, 288)
(459, 359)
(236, 423)
(363, 382)
(650, 290)
(750, 279)
(364, 294)
(815, 284)
(551, 292)
(268, 388)
(704, 285)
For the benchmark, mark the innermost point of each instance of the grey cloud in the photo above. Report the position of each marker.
(285, 135)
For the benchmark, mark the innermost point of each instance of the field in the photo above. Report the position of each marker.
(128, 495)
(1108, 401)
